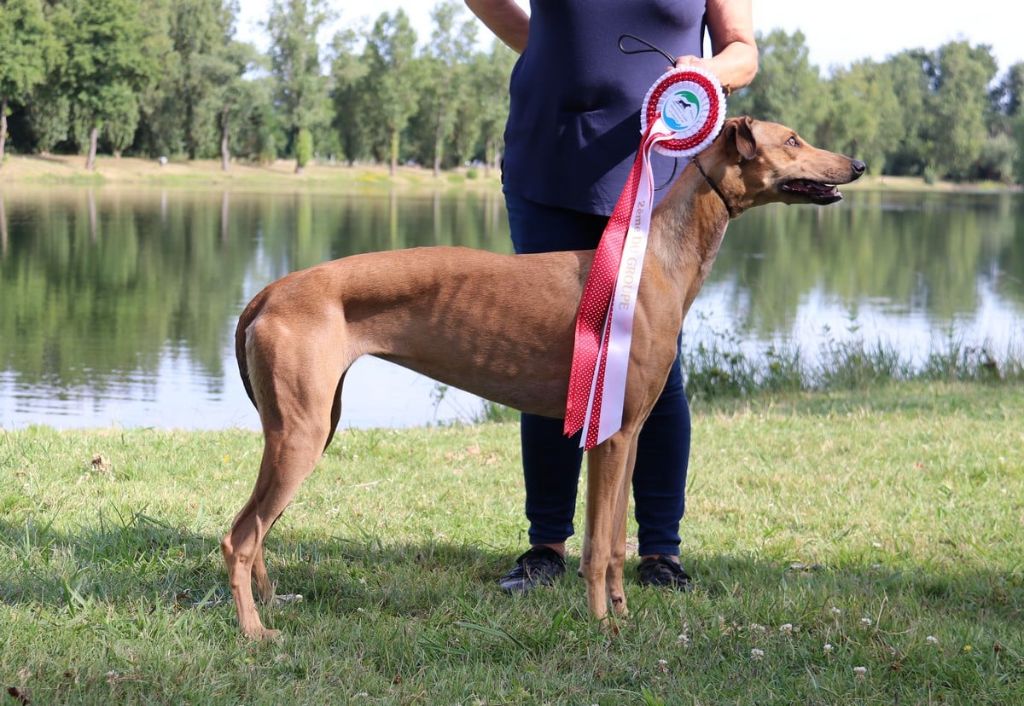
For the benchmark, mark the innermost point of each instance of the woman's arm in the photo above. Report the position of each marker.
(734, 51)
(505, 18)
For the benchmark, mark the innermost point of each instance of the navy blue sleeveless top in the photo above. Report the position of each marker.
(574, 119)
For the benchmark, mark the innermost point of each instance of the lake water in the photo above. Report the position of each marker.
(117, 307)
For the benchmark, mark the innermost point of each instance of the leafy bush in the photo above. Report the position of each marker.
(303, 148)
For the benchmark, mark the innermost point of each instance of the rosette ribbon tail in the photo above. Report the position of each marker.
(604, 329)
(681, 114)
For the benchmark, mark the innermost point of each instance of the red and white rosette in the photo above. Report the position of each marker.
(691, 104)
(681, 115)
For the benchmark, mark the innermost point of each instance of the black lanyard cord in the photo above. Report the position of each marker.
(672, 62)
(649, 48)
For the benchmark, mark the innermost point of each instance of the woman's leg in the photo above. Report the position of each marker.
(551, 461)
(659, 478)
(659, 485)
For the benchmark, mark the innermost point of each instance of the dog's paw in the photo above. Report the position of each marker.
(263, 634)
(610, 626)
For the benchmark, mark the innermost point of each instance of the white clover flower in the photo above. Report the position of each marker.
(683, 639)
(828, 648)
(786, 629)
(932, 640)
(866, 622)
(836, 611)
(860, 672)
(756, 654)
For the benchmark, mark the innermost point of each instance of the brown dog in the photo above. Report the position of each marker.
(499, 326)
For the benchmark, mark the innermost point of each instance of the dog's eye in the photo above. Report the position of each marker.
(793, 142)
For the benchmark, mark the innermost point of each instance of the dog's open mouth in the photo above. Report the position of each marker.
(818, 192)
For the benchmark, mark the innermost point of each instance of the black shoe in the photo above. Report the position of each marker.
(539, 566)
(663, 572)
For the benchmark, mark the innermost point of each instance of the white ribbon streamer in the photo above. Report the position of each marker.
(623, 304)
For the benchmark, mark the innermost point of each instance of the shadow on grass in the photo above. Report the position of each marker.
(123, 560)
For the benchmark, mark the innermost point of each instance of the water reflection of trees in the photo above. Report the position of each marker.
(924, 253)
(97, 285)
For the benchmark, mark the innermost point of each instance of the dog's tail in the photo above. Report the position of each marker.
(248, 315)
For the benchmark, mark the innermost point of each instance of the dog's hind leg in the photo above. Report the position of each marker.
(295, 402)
(287, 462)
(264, 586)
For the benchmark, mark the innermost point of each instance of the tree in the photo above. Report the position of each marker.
(28, 49)
(161, 129)
(959, 105)
(49, 114)
(788, 88)
(1017, 126)
(348, 72)
(295, 62)
(230, 98)
(122, 117)
(107, 64)
(201, 32)
(1010, 92)
(255, 127)
(447, 55)
(1006, 100)
(303, 148)
(863, 117)
(490, 83)
(908, 74)
(391, 83)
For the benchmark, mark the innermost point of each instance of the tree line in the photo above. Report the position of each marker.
(168, 78)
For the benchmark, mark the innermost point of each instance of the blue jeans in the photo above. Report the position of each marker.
(551, 461)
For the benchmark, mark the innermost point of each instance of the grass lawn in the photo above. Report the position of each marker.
(854, 547)
(35, 170)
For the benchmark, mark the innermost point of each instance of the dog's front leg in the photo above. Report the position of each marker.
(616, 567)
(604, 544)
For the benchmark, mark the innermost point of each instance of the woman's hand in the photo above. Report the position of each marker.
(686, 62)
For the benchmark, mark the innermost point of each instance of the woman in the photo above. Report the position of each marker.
(572, 132)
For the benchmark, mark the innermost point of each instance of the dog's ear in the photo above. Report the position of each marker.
(739, 134)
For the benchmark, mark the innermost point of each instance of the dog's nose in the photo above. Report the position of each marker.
(858, 166)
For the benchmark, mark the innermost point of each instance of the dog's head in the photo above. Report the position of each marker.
(758, 162)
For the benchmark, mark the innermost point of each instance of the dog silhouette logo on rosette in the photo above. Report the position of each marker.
(680, 110)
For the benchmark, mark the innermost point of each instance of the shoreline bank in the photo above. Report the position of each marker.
(69, 170)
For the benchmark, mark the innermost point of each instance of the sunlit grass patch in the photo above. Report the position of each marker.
(849, 547)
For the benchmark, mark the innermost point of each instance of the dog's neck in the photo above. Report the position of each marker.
(687, 229)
